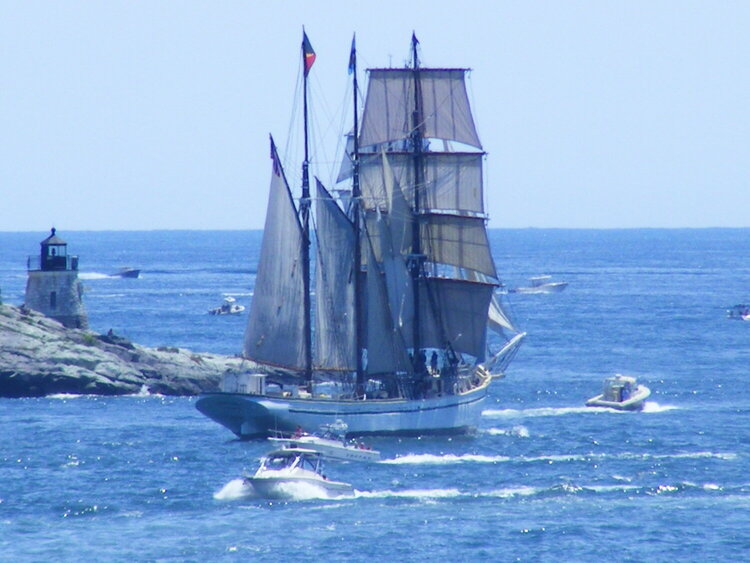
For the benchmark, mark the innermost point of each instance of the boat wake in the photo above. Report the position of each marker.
(93, 276)
(653, 406)
(237, 489)
(542, 411)
(557, 490)
(649, 407)
(448, 459)
(518, 431)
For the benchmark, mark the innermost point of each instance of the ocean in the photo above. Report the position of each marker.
(148, 478)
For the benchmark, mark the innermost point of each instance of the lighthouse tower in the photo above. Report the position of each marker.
(53, 287)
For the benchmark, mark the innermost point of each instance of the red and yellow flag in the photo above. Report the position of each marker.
(308, 53)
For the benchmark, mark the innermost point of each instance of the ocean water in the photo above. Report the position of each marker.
(147, 478)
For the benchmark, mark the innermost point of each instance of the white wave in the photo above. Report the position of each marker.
(693, 455)
(648, 407)
(432, 459)
(92, 276)
(518, 431)
(412, 493)
(542, 411)
(613, 488)
(653, 406)
(234, 490)
(66, 396)
(296, 490)
(521, 491)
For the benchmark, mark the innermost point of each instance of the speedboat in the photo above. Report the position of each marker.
(739, 312)
(622, 393)
(229, 307)
(126, 273)
(541, 284)
(330, 441)
(293, 473)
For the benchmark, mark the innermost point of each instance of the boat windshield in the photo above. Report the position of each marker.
(279, 462)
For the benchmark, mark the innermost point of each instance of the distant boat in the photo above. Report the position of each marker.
(739, 312)
(229, 307)
(541, 284)
(126, 273)
(283, 473)
(330, 441)
(622, 393)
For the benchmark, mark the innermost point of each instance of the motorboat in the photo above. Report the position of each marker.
(329, 441)
(293, 473)
(229, 307)
(622, 393)
(541, 284)
(739, 312)
(126, 273)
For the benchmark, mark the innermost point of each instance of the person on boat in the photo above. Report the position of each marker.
(298, 432)
(434, 363)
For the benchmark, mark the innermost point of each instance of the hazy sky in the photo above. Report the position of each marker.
(132, 115)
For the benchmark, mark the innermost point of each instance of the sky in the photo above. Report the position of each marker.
(142, 115)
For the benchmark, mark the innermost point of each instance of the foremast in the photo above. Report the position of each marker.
(308, 58)
(357, 219)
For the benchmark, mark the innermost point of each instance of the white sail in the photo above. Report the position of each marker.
(497, 319)
(390, 106)
(386, 353)
(452, 181)
(335, 331)
(275, 331)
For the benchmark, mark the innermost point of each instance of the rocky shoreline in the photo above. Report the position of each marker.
(39, 357)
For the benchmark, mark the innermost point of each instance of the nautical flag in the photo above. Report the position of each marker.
(308, 53)
(275, 159)
(353, 57)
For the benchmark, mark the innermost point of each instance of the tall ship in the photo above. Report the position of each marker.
(373, 306)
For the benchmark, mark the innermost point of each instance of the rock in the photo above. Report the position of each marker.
(39, 356)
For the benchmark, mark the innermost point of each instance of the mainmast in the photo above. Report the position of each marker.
(308, 58)
(417, 258)
(356, 207)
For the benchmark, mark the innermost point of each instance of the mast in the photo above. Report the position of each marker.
(356, 197)
(308, 58)
(415, 266)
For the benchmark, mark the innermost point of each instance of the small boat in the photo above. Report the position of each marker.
(622, 393)
(229, 307)
(330, 441)
(126, 273)
(739, 312)
(541, 284)
(292, 473)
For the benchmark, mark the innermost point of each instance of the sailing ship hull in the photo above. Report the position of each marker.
(255, 416)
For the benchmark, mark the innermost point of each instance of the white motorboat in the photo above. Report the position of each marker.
(126, 273)
(541, 284)
(330, 442)
(295, 473)
(622, 393)
(229, 307)
(739, 312)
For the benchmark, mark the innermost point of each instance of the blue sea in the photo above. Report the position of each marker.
(148, 478)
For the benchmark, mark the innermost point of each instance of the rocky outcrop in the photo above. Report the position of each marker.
(39, 356)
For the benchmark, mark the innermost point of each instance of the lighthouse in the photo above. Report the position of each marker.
(53, 287)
